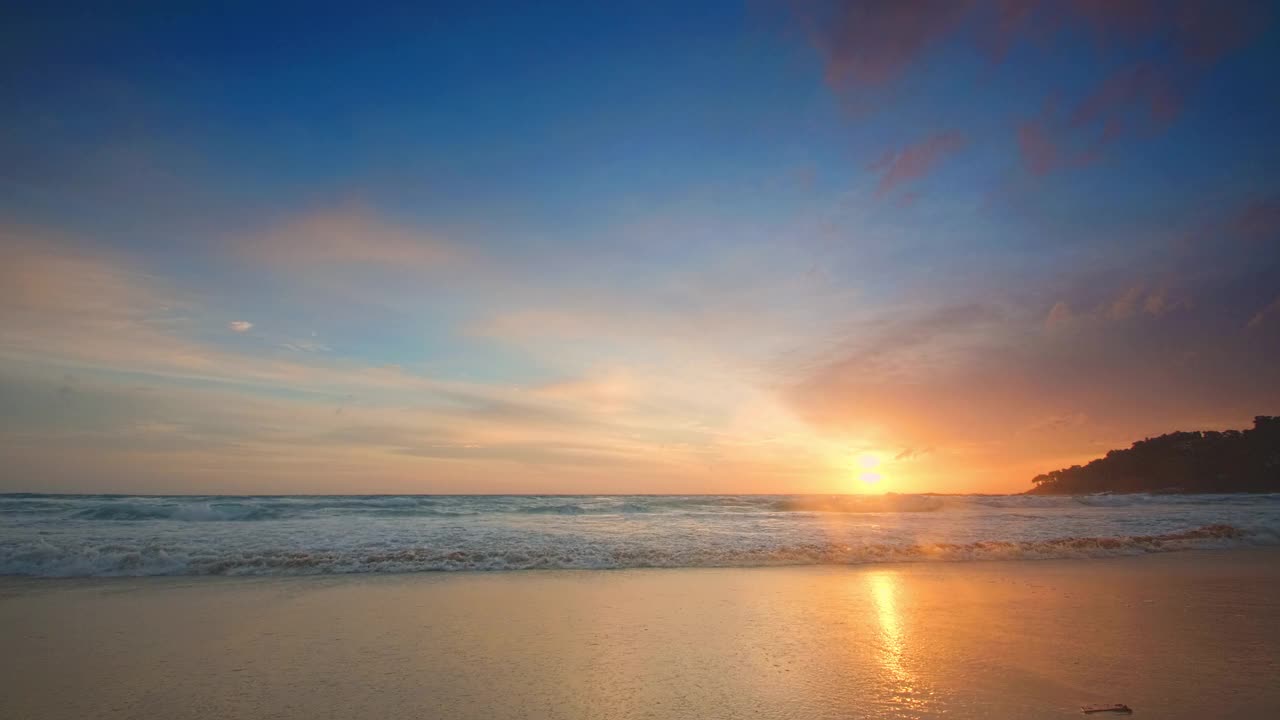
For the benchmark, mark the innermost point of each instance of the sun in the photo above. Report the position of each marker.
(869, 462)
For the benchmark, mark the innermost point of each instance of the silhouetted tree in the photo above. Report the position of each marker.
(1190, 462)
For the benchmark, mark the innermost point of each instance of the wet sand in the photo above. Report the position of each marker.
(1182, 635)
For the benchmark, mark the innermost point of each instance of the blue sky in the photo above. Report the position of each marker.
(629, 247)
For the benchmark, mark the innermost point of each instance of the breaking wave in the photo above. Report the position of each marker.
(119, 508)
(93, 535)
(42, 558)
(860, 503)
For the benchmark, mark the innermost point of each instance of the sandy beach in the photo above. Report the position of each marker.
(1181, 635)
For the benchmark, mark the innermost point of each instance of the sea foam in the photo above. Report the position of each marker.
(76, 536)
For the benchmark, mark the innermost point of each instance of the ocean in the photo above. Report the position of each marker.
(118, 535)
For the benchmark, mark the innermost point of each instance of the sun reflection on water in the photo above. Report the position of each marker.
(901, 686)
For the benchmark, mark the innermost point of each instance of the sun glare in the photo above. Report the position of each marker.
(868, 464)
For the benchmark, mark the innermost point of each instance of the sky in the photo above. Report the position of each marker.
(629, 247)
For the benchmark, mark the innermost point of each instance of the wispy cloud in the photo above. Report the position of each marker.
(912, 453)
(1040, 154)
(345, 238)
(1059, 316)
(1265, 315)
(916, 160)
(867, 47)
(233, 405)
(1136, 301)
(306, 346)
(870, 44)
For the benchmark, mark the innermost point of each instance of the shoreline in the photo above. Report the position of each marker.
(1197, 553)
(1186, 634)
(982, 552)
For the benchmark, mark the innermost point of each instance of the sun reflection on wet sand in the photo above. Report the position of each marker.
(901, 687)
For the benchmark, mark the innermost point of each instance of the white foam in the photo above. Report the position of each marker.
(90, 536)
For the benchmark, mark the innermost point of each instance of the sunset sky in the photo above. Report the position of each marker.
(613, 247)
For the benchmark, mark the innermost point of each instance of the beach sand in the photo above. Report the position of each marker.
(1182, 635)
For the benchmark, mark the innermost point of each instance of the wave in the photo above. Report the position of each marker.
(42, 558)
(568, 509)
(125, 509)
(191, 513)
(860, 503)
(213, 508)
(1024, 502)
(239, 509)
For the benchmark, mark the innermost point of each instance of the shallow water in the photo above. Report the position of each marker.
(1176, 635)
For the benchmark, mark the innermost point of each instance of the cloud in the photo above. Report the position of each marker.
(1059, 315)
(541, 454)
(344, 239)
(897, 346)
(1125, 306)
(1143, 94)
(606, 392)
(1128, 357)
(44, 273)
(1258, 222)
(1147, 95)
(305, 346)
(1139, 100)
(1010, 19)
(912, 453)
(737, 362)
(1039, 153)
(872, 43)
(1157, 304)
(868, 45)
(1133, 302)
(221, 412)
(1207, 30)
(1264, 315)
(63, 302)
(915, 161)
(61, 299)
(1109, 17)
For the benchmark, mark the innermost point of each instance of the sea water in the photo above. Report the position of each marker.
(119, 535)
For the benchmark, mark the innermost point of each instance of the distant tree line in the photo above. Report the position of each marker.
(1189, 462)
